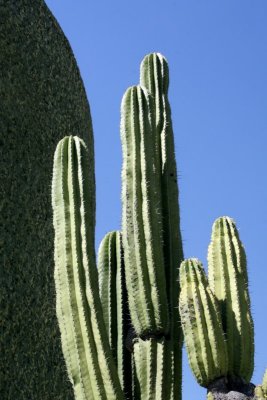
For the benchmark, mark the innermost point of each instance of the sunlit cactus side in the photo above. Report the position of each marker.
(264, 384)
(201, 322)
(227, 271)
(261, 390)
(153, 363)
(141, 215)
(114, 302)
(84, 340)
(154, 75)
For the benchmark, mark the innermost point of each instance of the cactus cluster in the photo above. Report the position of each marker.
(119, 324)
(121, 331)
(216, 317)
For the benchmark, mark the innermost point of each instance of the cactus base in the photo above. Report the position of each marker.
(230, 389)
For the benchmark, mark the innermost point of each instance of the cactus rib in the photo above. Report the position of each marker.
(84, 342)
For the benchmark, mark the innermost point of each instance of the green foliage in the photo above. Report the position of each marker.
(42, 100)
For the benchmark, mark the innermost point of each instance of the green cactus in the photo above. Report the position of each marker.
(119, 324)
(229, 282)
(141, 215)
(261, 390)
(113, 351)
(201, 322)
(264, 383)
(227, 285)
(113, 296)
(154, 75)
(83, 335)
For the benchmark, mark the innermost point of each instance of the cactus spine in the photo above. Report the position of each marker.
(84, 340)
(204, 337)
(229, 282)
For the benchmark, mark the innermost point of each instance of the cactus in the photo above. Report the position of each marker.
(154, 75)
(114, 302)
(261, 390)
(227, 284)
(150, 219)
(141, 215)
(84, 341)
(119, 323)
(204, 337)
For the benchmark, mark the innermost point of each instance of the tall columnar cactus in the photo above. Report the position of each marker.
(229, 282)
(119, 324)
(151, 233)
(227, 285)
(141, 215)
(83, 335)
(154, 75)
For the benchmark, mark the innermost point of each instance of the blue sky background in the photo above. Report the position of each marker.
(217, 53)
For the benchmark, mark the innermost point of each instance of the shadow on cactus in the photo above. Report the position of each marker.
(120, 327)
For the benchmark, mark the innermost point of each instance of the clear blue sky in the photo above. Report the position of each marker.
(217, 53)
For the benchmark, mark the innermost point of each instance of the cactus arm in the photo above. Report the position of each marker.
(114, 303)
(84, 341)
(201, 324)
(229, 282)
(141, 218)
(154, 75)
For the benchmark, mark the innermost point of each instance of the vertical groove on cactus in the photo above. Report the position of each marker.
(154, 75)
(141, 217)
(203, 333)
(84, 340)
(153, 375)
(229, 282)
(114, 303)
(107, 277)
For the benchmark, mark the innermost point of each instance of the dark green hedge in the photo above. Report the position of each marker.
(42, 99)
